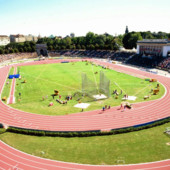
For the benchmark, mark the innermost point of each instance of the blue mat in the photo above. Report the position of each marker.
(65, 62)
(14, 76)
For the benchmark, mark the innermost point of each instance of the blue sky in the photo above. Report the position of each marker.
(61, 17)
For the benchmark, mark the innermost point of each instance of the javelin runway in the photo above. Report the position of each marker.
(92, 120)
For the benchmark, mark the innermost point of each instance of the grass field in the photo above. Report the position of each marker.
(7, 86)
(136, 147)
(43, 79)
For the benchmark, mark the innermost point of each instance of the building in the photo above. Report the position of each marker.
(17, 38)
(154, 47)
(72, 35)
(22, 38)
(35, 39)
(31, 38)
(51, 36)
(126, 30)
(28, 37)
(4, 40)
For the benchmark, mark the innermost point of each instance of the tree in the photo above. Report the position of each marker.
(118, 40)
(78, 46)
(162, 35)
(32, 49)
(58, 48)
(90, 37)
(11, 51)
(50, 47)
(73, 47)
(63, 47)
(21, 50)
(68, 41)
(29, 49)
(91, 47)
(6, 51)
(16, 50)
(97, 46)
(1, 51)
(169, 35)
(83, 47)
(147, 35)
(25, 49)
(130, 39)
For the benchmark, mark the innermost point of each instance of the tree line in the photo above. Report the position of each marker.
(28, 46)
(91, 41)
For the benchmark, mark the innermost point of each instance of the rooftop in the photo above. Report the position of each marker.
(3, 36)
(18, 35)
(158, 41)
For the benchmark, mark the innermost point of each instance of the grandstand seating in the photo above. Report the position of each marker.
(120, 56)
(123, 56)
(144, 61)
(165, 64)
(16, 56)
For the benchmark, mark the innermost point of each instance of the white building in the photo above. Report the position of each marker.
(4, 40)
(155, 47)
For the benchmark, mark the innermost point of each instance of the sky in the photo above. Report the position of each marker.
(62, 17)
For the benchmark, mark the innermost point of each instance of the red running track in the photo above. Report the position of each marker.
(93, 120)
(11, 158)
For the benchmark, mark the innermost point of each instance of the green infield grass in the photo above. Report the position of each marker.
(7, 86)
(135, 147)
(42, 80)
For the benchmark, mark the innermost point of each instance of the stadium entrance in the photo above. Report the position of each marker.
(41, 50)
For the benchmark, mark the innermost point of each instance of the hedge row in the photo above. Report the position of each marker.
(87, 133)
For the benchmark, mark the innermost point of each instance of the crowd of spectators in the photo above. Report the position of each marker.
(165, 64)
(16, 56)
(123, 56)
(145, 61)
